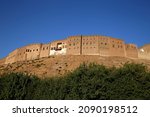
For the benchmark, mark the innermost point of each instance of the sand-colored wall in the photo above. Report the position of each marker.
(58, 48)
(2, 61)
(45, 49)
(77, 45)
(144, 52)
(131, 50)
(90, 45)
(21, 54)
(11, 58)
(143, 55)
(104, 46)
(33, 51)
(74, 45)
(116, 47)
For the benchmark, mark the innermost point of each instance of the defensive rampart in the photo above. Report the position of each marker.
(78, 45)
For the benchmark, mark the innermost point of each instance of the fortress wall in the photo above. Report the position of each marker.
(143, 55)
(58, 47)
(90, 45)
(45, 50)
(131, 51)
(11, 58)
(2, 61)
(116, 47)
(104, 46)
(144, 52)
(79, 45)
(33, 51)
(21, 54)
(74, 46)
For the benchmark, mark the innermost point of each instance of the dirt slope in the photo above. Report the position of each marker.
(59, 65)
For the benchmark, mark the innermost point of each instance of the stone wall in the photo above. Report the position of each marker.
(77, 45)
(45, 50)
(144, 52)
(90, 45)
(33, 51)
(11, 58)
(58, 48)
(116, 47)
(131, 50)
(2, 61)
(74, 45)
(21, 54)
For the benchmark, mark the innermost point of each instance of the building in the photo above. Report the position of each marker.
(76, 45)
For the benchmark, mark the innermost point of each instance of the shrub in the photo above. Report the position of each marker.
(132, 81)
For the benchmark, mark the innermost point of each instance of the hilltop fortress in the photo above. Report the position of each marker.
(78, 45)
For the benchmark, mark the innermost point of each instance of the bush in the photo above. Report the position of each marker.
(132, 81)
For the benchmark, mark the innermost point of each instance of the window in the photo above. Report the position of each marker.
(47, 48)
(105, 43)
(113, 46)
(37, 50)
(43, 48)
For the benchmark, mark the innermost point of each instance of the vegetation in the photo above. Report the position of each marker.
(132, 81)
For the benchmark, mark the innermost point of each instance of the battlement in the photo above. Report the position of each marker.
(78, 45)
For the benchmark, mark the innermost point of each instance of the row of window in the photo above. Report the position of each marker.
(118, 42)
(54, 48)
(45, 48)
(101, 39)
(83, 48)
(28, 50)
(132, 47)
(82, 39)
(87, 43)
(117, 46)
(90, 43)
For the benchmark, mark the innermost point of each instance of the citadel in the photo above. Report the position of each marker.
(79, 45)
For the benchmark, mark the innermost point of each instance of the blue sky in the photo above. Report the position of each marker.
(23, 22)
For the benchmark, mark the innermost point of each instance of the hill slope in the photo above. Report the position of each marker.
(59, 65)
